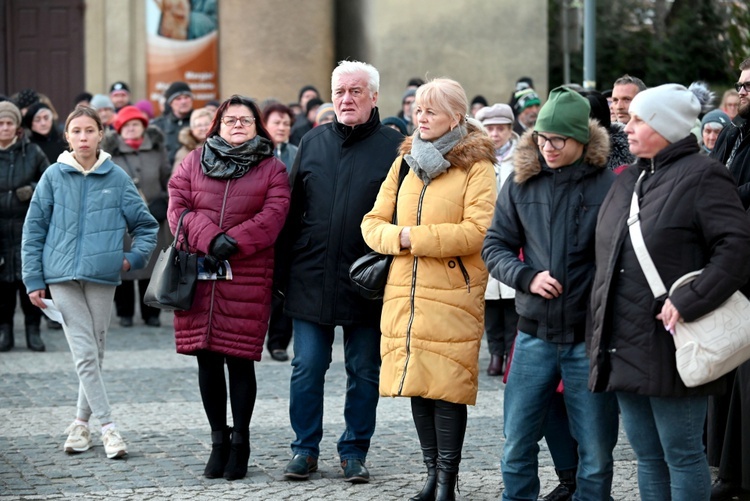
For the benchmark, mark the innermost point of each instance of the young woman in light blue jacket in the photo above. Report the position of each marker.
(73, 242)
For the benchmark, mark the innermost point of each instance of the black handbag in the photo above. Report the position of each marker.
(175, 276)
(370, 272)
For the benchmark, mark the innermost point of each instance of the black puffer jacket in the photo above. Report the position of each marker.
(739, 130)
(21, 165)
(551, 215)
(336, 176)
(171, 126)
(691, 218)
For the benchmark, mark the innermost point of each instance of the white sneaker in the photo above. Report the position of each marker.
(79, 438)
(114, 445)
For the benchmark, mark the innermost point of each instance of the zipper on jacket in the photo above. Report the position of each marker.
(465, 273)
(81, 221)
(653, 167)
(411, 298)
(213, 284)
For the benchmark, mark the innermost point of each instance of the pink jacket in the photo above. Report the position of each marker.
(230, 317)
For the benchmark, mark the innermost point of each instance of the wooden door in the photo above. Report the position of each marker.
(42, 49)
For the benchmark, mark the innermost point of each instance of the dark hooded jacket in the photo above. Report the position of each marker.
(551, 215)
(335, 178)
(738, 130)
(691, 218)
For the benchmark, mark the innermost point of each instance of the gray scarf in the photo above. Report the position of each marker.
(427, 158)
(221, 160)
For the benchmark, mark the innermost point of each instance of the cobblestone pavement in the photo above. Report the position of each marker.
(157, 407)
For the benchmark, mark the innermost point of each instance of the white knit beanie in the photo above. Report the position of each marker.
(670, 109)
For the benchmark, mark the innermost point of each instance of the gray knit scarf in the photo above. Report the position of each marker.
(427, 158)
(221, 160)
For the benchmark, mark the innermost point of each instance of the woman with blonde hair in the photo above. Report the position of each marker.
(194, 136)
(433, 309)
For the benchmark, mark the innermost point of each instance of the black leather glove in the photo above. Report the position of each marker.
(223, 246)
(211, 264)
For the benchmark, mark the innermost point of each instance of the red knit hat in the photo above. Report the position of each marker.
(127, 114)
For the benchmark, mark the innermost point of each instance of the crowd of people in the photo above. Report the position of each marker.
(511, 219)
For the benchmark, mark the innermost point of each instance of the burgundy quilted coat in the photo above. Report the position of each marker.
(230, 317)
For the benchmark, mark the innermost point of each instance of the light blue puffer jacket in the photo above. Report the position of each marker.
(75, 225)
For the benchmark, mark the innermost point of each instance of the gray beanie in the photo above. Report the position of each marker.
(715, 116)
(670, 109)
(10, 110)
(101, 101)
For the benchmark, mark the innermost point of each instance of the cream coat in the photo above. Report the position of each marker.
(433, 309)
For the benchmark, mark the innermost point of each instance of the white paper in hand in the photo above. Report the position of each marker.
(52, 312)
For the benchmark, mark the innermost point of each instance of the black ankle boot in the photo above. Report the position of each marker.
(446, 485)
(564, 491)
(428, 491)
(6, 337)
(34, 338)
(239, 454)
(220, 443)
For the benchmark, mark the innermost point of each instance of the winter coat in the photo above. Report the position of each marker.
(188, 143)
(691, 218)
(739, 130)
(230, 317)
(433, 309)
(551, 215)
(503, 170)
(75, 225)
(335, 179)
(286, 152)
(53, 144)
(171, 126)
(21, 164)
(149, 169)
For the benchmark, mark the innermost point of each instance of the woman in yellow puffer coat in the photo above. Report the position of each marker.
(433, 309)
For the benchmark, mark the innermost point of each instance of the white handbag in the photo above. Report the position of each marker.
(710, 346)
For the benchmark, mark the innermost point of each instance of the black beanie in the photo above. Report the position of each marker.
(32, 110)
(599, 107)
(305, 89)
(26, 98)
(177, 89)
(312, 103)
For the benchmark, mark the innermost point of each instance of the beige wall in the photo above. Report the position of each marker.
(271, 48)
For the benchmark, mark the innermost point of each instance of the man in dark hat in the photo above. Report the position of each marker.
(119, 93)
(178, 99)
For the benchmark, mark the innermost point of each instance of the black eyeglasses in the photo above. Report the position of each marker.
(556, 142)
(742, 85)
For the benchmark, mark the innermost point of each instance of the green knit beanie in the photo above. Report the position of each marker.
(566, 112)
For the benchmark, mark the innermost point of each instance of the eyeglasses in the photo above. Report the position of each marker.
(742, 85)
(556, 142)
(245, 121)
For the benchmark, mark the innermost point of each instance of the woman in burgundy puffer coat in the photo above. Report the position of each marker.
(238, 197)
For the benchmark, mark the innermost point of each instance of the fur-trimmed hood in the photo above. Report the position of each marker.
(113, 143)
(187, 139)
(619, 153)
(474, 147)
(528, 160)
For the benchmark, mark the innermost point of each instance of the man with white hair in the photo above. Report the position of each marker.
(335, 178)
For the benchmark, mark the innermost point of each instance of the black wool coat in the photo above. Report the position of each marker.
(740, 165)
(691, 218)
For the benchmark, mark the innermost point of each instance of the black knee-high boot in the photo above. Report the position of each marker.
(220, 445)
(450, 428)
(423, 411)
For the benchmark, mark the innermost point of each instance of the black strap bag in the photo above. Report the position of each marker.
(370, 272)
(175, 276)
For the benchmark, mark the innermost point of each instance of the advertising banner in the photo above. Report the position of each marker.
(182, 45)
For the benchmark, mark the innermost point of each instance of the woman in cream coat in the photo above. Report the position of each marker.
(433, 309)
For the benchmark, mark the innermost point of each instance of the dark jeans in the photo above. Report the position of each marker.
(125, 299)
(279, 327)
(500, 324)
(8, 292)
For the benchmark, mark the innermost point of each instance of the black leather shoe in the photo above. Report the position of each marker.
(34, 338)
(724, 490)
(126, 321)
(6, 337)
(355, 471)
(496, 366)
(560, 493)
(300, 467)
(279, 355)
(153, 322)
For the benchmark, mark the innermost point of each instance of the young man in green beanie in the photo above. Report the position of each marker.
(549, 210)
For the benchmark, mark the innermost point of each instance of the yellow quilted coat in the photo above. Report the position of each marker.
(433, 309)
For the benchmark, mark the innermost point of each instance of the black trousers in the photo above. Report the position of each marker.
(279, 327)
(125, 299)
(441, 427)
(500, 324)
(8, 293)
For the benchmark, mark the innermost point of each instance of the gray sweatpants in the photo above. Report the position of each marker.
(86, 308)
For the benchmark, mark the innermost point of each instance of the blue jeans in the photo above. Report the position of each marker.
(536, 368)
(667, 437)
(312, 356)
